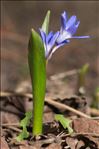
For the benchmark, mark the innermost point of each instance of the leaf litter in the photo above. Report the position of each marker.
(85, 130)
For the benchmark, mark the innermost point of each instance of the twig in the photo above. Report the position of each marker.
(81, 133)
(56, 104)
(48, 100)
(10, 124)
(4, 94)
(95, 118)
(67, 147)
(86, 133)
(13, 128)
(65, 107)
(94, 111)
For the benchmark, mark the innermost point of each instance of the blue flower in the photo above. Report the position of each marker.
(53, 41)
(68, 29)
(49, 42)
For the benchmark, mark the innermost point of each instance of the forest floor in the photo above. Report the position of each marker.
(59, 100)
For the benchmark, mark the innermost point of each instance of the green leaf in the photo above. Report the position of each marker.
(23, 135)
(65, 122)
(95, 102)
(81, 78)
(24, 123)
(37, 66)
(45, 24)
(82, 73)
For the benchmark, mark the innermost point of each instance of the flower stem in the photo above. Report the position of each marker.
(38, 106)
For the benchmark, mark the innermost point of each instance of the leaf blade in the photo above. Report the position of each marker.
(37, 65)
(45, 24)
(65, 122)
(24, 123)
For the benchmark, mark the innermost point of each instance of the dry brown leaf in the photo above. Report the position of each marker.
(83, 125)
(3, 143)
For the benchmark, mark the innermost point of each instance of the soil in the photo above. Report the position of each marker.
(86, 130)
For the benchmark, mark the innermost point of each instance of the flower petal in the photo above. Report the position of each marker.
(72, 30)
(80, 37)
(64, 36)
(49, 36)
(63, 20)
(53, 39)
(77, 24)
(71, 22)
(43, 35)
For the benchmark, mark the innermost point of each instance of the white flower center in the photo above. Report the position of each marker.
(63, 36)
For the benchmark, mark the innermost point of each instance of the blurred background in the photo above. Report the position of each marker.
(18, 17)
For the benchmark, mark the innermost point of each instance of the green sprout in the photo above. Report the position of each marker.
(65, 122)
(81, 78)
(95, 103)
(24, 123)
(37, 65)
